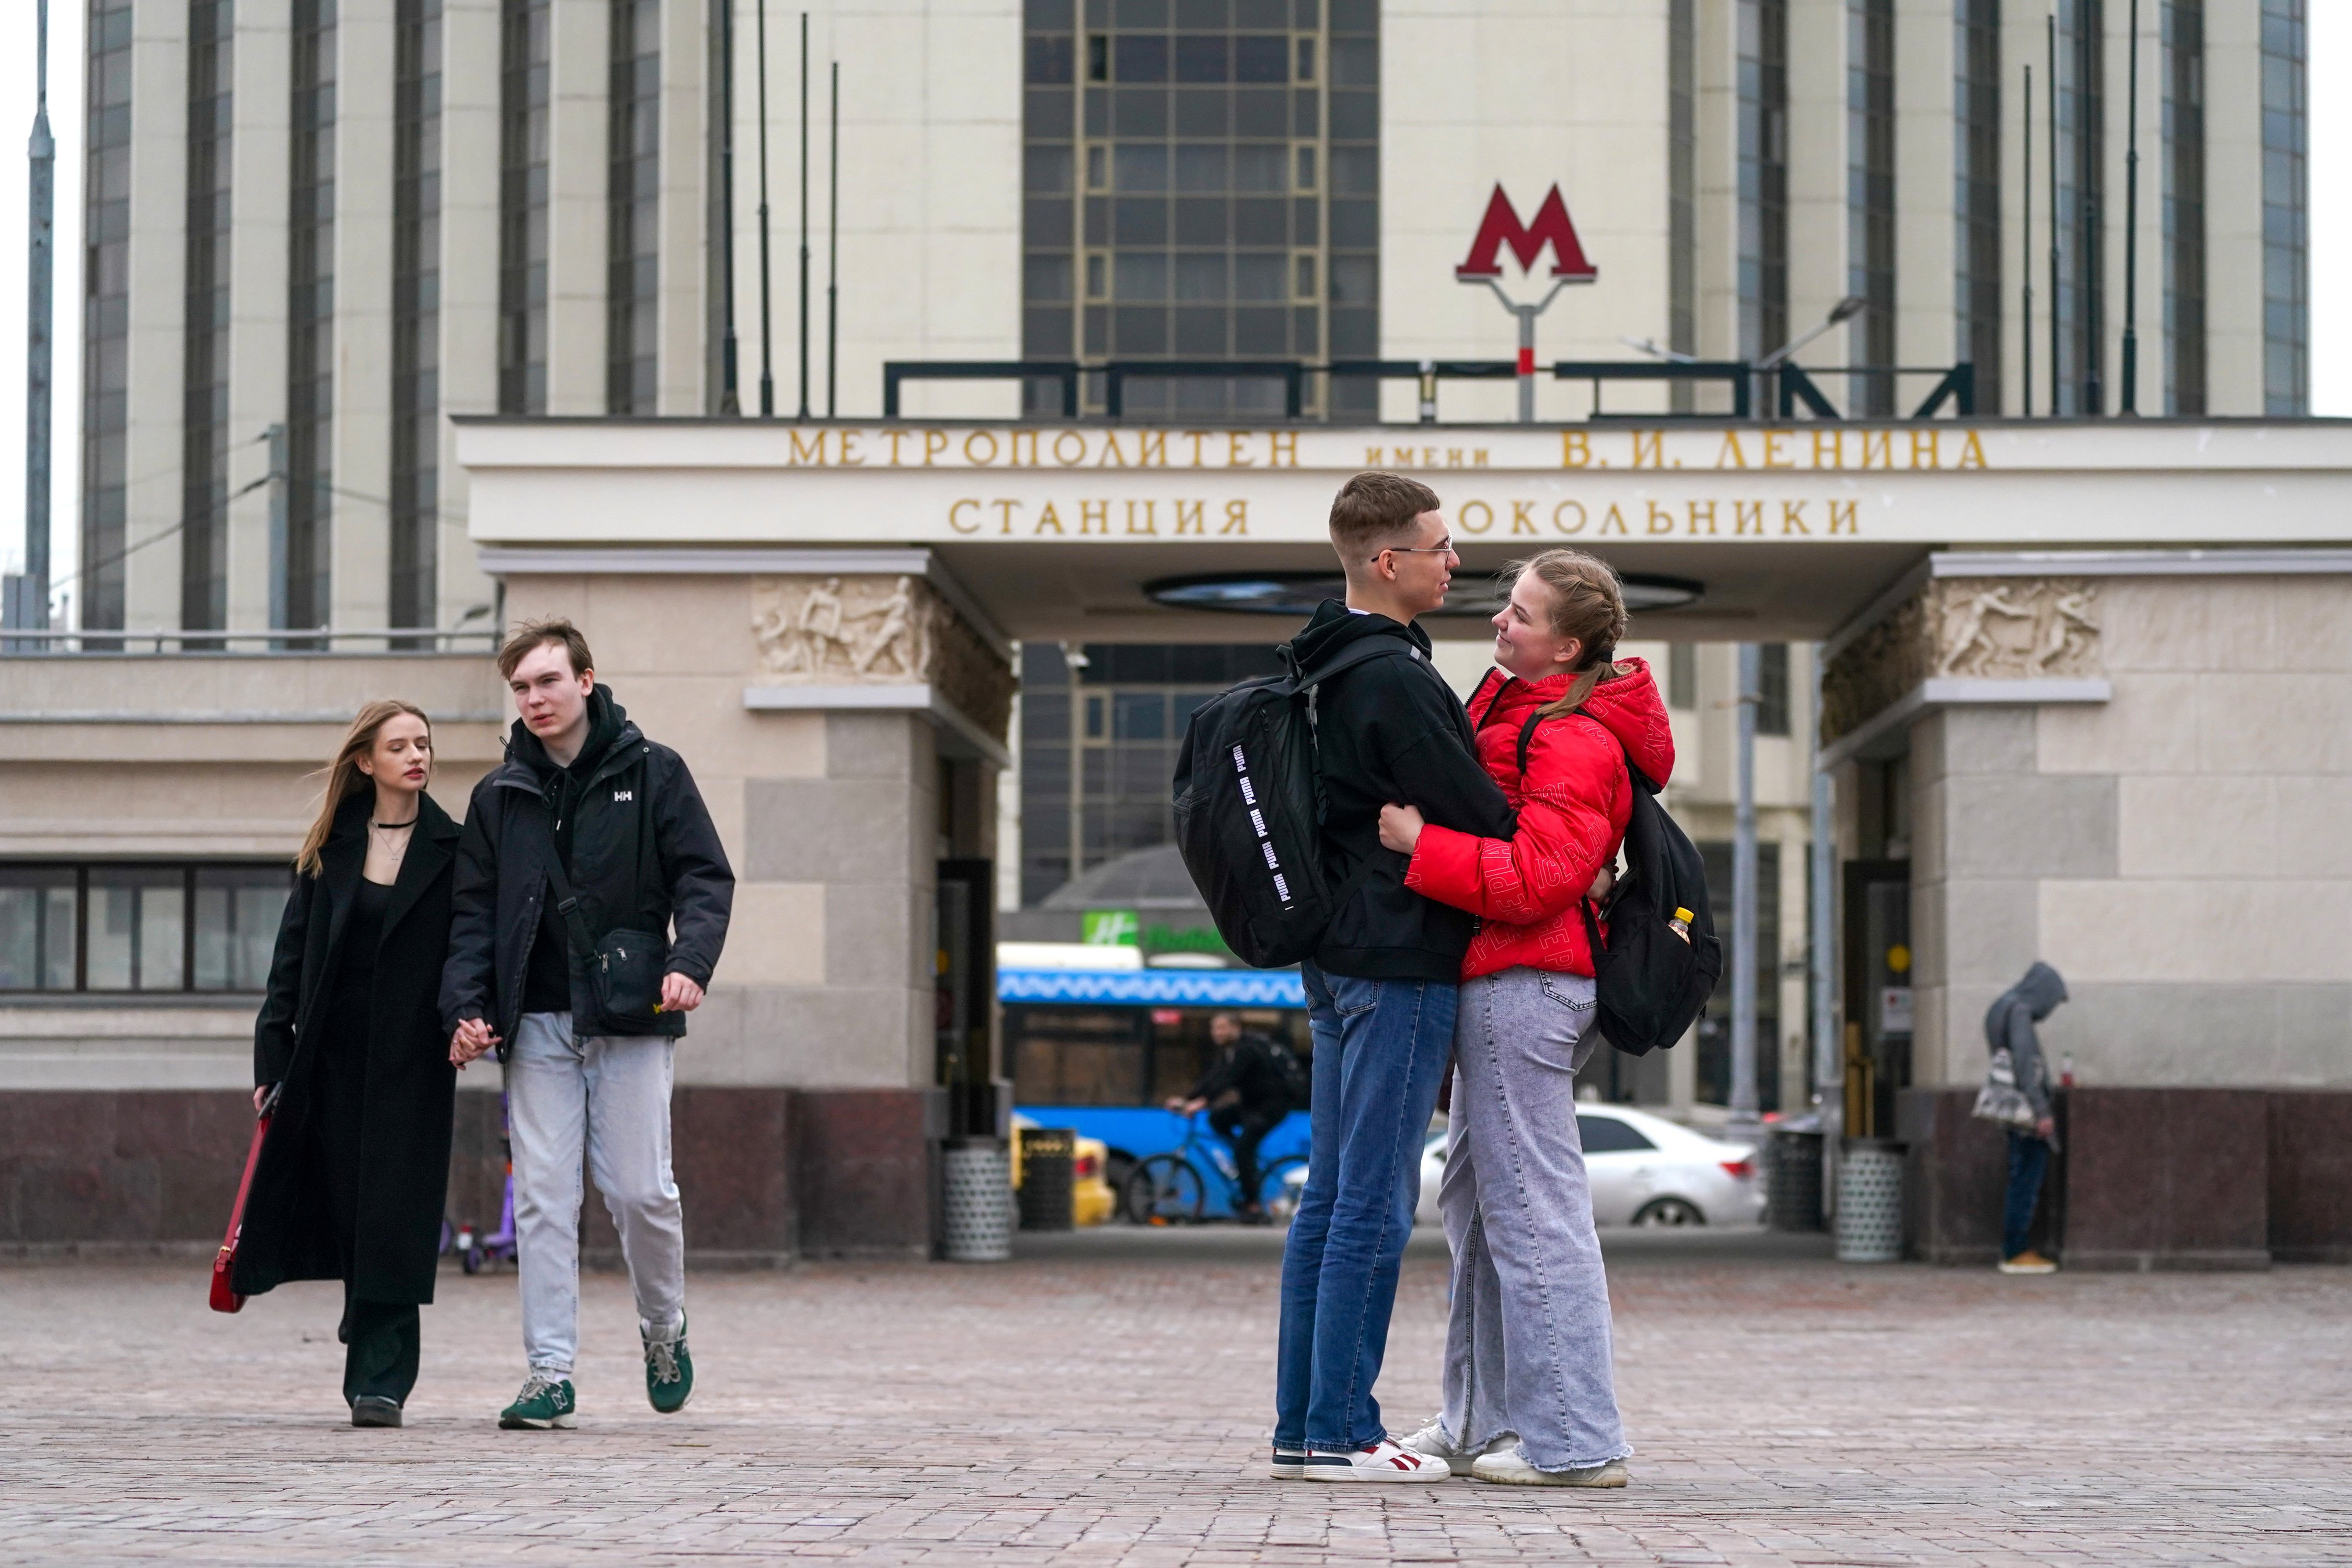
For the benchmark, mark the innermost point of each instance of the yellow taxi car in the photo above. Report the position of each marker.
(1092, 1202)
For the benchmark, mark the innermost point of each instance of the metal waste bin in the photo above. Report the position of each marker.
(977, 1177)
(1793, 1187)
(1870, 1201)
(1048, 1163)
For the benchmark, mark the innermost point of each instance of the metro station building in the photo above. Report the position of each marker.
(2085, 683)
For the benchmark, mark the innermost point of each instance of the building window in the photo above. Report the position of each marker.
(151, 928)
(310, 318)
(1870, 198)
(1976, 96)
(417, 314)
(106, 313)
(1763, 176)
(2286, 290)
(203, 427)
(633, 315)
(1201, 182)
(1682, 188)
(523, 208)
(2184, 206)
(2080, 141)
(1682, 675)
(1099, 746)
(1772, 688)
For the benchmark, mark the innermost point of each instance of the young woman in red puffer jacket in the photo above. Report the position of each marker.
(1527, 1351)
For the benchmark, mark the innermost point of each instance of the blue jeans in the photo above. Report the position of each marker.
(2028, 1157)
(1381, 1049)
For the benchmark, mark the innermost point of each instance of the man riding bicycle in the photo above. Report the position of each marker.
(1247, 1091)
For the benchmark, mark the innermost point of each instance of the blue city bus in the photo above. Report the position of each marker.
(1101, 1049)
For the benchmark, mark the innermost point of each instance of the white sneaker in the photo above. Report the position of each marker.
(1289, 1464)
(1385, 1460)
(1431, 1440)
(1506, 1467)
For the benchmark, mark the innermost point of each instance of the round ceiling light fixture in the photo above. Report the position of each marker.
(1298, 593)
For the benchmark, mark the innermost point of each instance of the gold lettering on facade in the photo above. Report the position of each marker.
(1792, 517)
(1004, 509)
(1661, 520)
(1048, 519)
(1236, 516)
(1523, 519)
(1149, 525)
(1615, 519)
(1730, 455)
(813, 452)
(1188, 512)
(973, 456)
(934, 443)
(1012, 449)
(1282, 444)
(849, 455)
(1833, 440)
(1972, 452)
(1563, 509)
(1094, 517)
(955, 512)
(896, 437)
(1575, 449)
(1743, 513)
(1235, 457)
(1477, 457)
(1879, 444)
(1485, 517)
(1073, 458)
(1651, 453)
(1774, 458)
(1933, 459)
(1398, 457)
(1110, 452)
(1453, 456)
(1151, 450)
(1196, 438)
(1698, 516)
(1843, 512)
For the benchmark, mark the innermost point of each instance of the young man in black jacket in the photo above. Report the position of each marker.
(587, 835)
(1380, 990)
(1247, 1093)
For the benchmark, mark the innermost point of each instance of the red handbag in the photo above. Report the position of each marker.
(225, 1299)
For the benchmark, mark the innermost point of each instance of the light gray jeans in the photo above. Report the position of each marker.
(1527, 1345)
(611, 1094)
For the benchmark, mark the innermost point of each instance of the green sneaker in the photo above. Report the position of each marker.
(544, 1403)
(669, 1370)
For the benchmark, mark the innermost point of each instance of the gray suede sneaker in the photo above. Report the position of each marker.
(1506, 1467)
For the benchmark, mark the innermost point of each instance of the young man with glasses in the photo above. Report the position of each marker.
(1380, 990)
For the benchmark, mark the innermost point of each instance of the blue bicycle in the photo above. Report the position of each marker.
(1173, 1188)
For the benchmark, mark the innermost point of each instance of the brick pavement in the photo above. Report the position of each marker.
(1787, 1410)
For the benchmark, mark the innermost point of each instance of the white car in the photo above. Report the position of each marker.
(1644, 1170)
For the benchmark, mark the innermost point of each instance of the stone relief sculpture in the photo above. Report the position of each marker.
(844, 628)
(2009, 628)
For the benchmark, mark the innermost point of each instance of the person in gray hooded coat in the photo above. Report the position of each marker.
(2010, 1026)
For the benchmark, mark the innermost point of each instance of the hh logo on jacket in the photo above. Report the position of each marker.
(621, 794)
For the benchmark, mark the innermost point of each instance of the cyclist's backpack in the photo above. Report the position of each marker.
(1297, 1086)
(1249, 811)
(1651, 985)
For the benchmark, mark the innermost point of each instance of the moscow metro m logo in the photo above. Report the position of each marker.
(1552, 227)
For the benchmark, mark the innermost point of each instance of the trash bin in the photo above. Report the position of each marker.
(977, 1177)
(1792, 1189)
(1048, 1167)
(1870, 1201)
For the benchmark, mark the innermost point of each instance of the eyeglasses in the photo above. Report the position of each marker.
(1446, 548)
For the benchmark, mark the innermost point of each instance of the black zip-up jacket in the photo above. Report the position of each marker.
(1248, 1069)
(644, 857)
(1391, 729)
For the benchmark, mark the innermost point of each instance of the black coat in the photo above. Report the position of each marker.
(644, 857)
(405, 1143)
(1391, 729)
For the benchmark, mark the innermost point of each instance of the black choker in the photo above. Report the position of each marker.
(389, 826)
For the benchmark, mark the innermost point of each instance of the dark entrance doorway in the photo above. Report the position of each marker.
(1877, 968)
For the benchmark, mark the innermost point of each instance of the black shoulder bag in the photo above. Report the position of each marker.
(625, 967)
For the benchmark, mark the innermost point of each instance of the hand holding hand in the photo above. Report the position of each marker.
(1401, 828)
(679, 994)
(472, 1039)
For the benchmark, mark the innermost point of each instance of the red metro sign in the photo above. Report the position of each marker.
(1552, 227)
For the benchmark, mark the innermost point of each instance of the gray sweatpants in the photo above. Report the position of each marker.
(1527, 1345)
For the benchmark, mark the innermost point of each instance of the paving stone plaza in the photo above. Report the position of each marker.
(1102, 1400)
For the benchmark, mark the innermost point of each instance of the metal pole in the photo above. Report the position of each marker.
(832, 249)
(767, 325)
(805, 224)
(2025, 269)
(1744, 1121)
(1527, 314)
(2057, 403)
(278, 526)
(730, 400)
(39, 264)
(1829, 1067)
(2093, 259)
(2129, 404)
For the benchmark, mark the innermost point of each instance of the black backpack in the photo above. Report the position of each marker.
(1651, 985)
(1249, 811)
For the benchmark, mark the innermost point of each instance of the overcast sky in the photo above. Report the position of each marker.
(2331, 249)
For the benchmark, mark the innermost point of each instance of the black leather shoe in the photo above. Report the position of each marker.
(375, 1410)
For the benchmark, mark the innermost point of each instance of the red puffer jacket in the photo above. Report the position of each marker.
(1573, 804)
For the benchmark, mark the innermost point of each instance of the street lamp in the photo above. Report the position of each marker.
(1844, 310)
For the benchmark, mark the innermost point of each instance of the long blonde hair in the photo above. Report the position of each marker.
(1587, 604)
(343, 777)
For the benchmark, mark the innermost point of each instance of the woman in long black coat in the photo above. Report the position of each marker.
(355, 1170)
